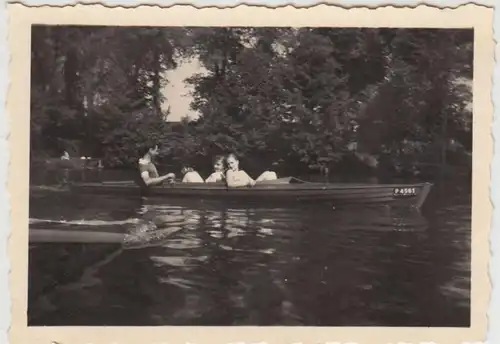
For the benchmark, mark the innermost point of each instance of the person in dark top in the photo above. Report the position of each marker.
(148, 173)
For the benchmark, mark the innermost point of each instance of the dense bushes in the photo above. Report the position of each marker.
(304, 98)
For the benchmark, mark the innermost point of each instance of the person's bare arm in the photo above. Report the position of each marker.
(210, 179)
(155, 181)
(251, 181)
(233, 181)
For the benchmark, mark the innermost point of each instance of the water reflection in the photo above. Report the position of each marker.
(209, 263)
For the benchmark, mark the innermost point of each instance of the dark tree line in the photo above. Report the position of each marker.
(304, 98)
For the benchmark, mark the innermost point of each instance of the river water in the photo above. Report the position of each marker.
(212, 263)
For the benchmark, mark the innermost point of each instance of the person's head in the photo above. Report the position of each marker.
(185, 169)
(218, 163)
(232, 162)
(149, 150)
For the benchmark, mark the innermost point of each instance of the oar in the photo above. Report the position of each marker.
(133, 240)
(74, 236)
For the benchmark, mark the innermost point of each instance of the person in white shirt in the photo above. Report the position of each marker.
(236, 177)
(218, 174)
(190, 175)
(65, 156)
(267, 176)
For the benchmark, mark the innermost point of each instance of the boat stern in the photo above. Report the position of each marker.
(422, 195)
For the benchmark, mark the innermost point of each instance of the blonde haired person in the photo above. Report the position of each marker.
(234, 176)
(190, 175)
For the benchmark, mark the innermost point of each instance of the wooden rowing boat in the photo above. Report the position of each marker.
(283, 189)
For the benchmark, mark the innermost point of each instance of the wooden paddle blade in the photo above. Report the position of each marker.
(74, 236)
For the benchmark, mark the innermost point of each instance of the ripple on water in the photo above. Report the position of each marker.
(216, 264)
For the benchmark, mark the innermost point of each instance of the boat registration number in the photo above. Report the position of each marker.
(405, 191)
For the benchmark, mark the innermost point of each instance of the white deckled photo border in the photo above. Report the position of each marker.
(14, 126)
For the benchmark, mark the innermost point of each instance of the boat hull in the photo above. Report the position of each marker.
(282, 190)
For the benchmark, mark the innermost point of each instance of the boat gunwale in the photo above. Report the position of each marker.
(306, 191)
(263, 186)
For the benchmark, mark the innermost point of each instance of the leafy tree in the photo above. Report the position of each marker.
(307, 98)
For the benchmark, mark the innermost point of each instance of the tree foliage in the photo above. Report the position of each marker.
(304, 97)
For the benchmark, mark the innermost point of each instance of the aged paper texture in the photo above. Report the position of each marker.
(21, 18)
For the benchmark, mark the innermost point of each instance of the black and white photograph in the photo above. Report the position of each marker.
(300, 176)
